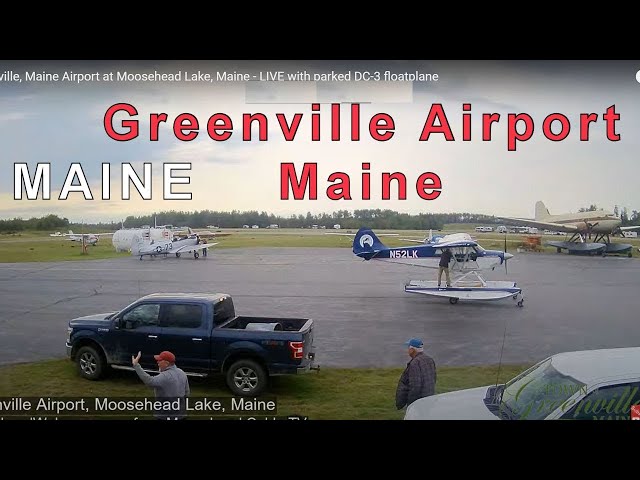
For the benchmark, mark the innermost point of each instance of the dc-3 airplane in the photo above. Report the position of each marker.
(154, 248)
(469, 259)
(582, 225)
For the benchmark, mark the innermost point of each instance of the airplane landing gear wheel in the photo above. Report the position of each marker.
(177, 254)
(453, 300)
(521, 303)
(196, 254)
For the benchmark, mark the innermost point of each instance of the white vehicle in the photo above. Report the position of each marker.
(630, 234)
(484, 229)
(581, 385)
(336, 226)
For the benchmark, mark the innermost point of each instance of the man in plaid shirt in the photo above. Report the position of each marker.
(419, 378)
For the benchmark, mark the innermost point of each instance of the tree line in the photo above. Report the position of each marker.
(373, 218)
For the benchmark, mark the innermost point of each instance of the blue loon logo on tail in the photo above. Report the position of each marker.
(366, 244)
(366, 241)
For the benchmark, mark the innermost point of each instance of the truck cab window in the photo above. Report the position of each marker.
(142, 316)
(223, 311)
(182, 316)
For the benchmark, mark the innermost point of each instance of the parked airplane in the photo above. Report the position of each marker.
(154, 248)
(469, 258)
(582, 226)
(368, 246)
(89, 238)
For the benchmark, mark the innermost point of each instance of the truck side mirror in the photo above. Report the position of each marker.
(117, 322)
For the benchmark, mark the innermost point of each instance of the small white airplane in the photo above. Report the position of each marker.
(153, 248)
(89, 238)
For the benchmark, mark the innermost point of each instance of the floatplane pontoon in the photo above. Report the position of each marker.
(470, 286)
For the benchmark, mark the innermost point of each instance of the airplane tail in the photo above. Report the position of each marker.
(70, 232)
(366, 243)
(542, 212)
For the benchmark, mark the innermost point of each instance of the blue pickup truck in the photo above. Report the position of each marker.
(204, 333)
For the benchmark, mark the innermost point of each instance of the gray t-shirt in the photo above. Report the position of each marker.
(171, 384)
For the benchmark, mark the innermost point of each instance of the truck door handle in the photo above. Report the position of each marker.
(153, 336)
(196, 339)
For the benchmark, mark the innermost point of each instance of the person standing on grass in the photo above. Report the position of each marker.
(419, 378)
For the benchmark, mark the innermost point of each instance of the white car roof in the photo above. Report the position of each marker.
(591, 366)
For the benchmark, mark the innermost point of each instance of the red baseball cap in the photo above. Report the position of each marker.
(168, 356)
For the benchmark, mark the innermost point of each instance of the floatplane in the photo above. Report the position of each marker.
(469, 260)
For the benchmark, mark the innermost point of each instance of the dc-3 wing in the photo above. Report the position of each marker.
(634, 227)
(193, 248)
(527, 222)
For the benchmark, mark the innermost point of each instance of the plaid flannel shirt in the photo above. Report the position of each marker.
(418, 380)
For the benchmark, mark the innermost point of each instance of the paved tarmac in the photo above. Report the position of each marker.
(362, 314)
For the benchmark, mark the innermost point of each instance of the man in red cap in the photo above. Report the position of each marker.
(171, 384)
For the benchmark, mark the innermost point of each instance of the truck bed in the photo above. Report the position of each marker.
(268, 324)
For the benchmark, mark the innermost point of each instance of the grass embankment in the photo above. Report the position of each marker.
(330, 394)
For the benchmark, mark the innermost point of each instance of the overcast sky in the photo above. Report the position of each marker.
(62, 122)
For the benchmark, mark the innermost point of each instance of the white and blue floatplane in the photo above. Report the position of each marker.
(468, 260)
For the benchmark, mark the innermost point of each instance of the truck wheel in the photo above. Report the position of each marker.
(90, 363)
(246, 378)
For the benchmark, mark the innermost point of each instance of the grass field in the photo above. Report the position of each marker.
(330, 394)
(39, 247)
